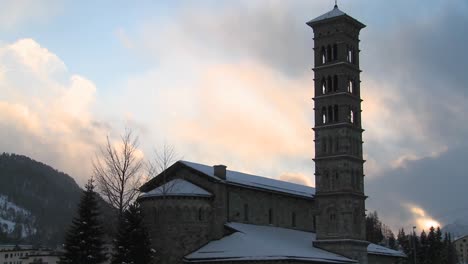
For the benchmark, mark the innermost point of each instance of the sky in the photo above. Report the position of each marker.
(230, 82)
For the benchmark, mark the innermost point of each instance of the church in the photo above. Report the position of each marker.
(199, 213)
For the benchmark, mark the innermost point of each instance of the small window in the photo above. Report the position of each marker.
(335, 52)
(330, 113)
(324, 86)
(335, 112)
(329, 53)
(200, 214)
(351, 116)
(335, 83)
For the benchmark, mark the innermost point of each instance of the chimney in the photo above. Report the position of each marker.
(220, 171)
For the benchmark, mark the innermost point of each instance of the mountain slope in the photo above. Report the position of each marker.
(45, 200)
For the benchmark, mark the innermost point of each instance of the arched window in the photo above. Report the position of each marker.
(351, 116)
(329, 84)
(350, 86)
(337, 144)
(200, 214)
(324, 55)
(270, 216)
(293, 219)
(335, 52)
(246, 212)
(350, 55)
(324, 86)
(329, 53)
(335, 83)
(330, 113)
(324, 115)
(326, 180)
(335, 112)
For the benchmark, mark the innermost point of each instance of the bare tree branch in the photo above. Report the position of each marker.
(118, 170)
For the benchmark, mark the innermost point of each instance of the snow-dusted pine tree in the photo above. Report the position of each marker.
(84, 239)
(132, 244)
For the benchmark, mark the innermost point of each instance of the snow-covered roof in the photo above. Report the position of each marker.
(239, 178)
(380, 250)
(253, 242)
(177, 187)
(335, 12)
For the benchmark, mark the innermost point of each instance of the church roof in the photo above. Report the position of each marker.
(334, 13)
(254, 242)
(254, 181)
(177, 187)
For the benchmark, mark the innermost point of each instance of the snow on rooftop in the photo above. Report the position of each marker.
(253, 242)
(380, 250)
(235, 177)
(336, 12)
(177, 187)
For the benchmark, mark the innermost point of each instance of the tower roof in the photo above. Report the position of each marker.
(333, 14)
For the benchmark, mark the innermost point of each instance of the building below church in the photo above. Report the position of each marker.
(208, 214)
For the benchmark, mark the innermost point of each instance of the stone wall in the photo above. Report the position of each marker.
(177, 225)
(254, 207)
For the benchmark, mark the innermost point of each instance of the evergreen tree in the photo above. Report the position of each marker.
(423, 248)
(404, 242)
(374, 228)
(132, 245)
(83, 242)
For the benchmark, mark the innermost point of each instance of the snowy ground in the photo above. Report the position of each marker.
(10, 214)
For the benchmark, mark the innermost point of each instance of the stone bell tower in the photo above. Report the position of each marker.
(338, 136)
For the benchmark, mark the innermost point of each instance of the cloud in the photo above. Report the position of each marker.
(19, 12)
(45, 112)
(298, 178)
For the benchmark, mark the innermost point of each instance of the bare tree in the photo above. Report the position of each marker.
(163, 159)
(118, 171)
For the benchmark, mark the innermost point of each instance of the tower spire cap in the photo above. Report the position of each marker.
(336, 4)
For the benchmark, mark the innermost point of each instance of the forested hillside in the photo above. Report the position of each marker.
(37, 202)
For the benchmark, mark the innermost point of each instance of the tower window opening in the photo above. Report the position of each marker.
(350, 55)
(350, 86)
(335, 52)
(329, 53)
(324, 55)
(246, 212)
(335, 112)
(330, 145)
(270, 216)
(329, 84)
(330, 114)
(293, 220)
(324, 115)
(351, 116)
(335, 83)
(324, 86)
